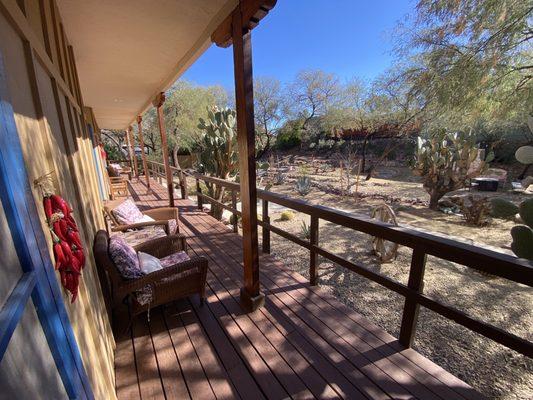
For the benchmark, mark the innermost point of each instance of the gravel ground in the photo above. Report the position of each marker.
(492, 369)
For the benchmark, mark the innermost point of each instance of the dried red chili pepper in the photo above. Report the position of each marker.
(80, 256)
(74, 238)
(47, 204)
(59, 255)
(58, 203)
(58, 231)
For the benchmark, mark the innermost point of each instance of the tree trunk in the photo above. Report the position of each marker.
(434, 197)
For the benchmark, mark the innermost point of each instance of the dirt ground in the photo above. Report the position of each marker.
(492, 369)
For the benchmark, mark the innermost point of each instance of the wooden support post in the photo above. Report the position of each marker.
(265, 231)
(313, 260)
(128, 143)
(251, 296)
(133, 156)
(143, 154)
(235, 216)
(158, 103)
(411, 307)
(199, 195)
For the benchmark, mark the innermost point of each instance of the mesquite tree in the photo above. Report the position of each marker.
(446, 161)
(219, 150)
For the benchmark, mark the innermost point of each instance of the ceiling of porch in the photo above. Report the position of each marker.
(128, 51)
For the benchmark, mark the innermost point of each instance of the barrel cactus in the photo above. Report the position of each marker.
(522, 235)
(446, 161)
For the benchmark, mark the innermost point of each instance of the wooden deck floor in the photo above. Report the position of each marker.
(302, 344)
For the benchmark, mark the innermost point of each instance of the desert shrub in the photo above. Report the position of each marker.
(280, 178)
(501, 208)
(286, 216)
(475, 210)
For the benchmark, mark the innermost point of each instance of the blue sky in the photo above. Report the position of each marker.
(352, 38)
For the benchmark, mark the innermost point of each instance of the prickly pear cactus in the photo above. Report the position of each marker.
(501, 208)
(446, 161)
(522, 235)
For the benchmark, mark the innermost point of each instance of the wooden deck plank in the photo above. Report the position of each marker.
(304, 343)
(169, 366)
(374, 373)
(147, 370)
(392, 358)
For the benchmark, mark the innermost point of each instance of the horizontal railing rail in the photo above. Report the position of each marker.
(421, 242)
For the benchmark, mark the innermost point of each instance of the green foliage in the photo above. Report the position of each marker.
(526, 212)
(288, 138)
(286, 216)
(445, 161)
(501, 208)
(112, 152)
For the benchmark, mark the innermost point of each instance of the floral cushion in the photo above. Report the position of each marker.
(135, 237)
(174, 259)
(124, 257)
(127, 212)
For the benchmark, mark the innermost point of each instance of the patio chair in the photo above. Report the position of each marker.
(164, 217)
(118, 185)
(175, 281)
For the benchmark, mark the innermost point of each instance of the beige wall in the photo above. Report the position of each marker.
(48, 108)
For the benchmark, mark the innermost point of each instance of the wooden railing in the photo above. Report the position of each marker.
(157, 172)
(422, 243)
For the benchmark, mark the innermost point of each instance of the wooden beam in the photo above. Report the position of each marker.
(158, 104)
(143, 154)
(133, 156)
(252, 12)
(251, 297)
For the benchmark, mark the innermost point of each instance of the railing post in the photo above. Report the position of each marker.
(313, 255)
(199, 194)
(266, 231)
(235, 216)
(411, 307)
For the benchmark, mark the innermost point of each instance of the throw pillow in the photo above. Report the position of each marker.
(127, 212)
(148, 263)
(124, 257)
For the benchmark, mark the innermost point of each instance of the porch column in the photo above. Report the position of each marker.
(158, 104)
(133, 156)
(143, 154)
(251, 296)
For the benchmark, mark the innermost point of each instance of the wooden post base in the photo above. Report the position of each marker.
(250, 303)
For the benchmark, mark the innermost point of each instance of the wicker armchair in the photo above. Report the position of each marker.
(162, 216)
(168, 284)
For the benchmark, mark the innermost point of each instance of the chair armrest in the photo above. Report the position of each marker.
(161, 213)
(163, 246)
(116, 179)
(197, 265)
(122, 228)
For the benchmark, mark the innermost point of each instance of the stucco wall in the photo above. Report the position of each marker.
(48, 108)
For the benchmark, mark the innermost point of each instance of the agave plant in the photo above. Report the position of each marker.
(303, 185)
(446, 161)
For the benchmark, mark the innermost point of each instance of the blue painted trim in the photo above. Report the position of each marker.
(30, 243)
(14, 308)
(95, 159)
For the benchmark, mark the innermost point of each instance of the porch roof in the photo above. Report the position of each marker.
(127, 52)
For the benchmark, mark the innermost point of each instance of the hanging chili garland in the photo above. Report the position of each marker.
(68, 250)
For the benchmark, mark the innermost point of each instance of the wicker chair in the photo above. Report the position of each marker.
(161, 215)
(168, 284)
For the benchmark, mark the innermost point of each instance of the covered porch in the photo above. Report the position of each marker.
(302, 344)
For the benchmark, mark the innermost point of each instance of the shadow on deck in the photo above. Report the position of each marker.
(303, 344)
